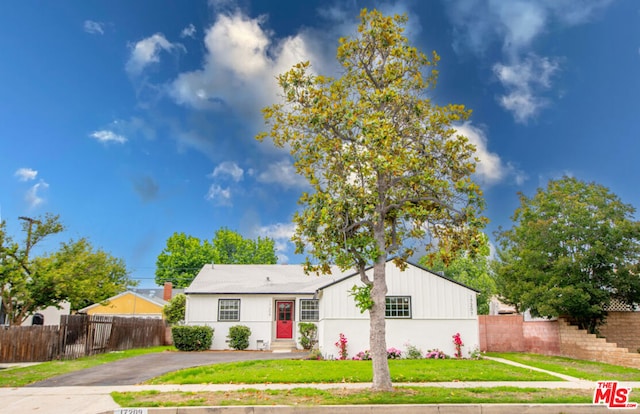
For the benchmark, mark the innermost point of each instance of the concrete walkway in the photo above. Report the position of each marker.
(96, 399)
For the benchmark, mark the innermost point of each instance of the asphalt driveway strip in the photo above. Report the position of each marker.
(132, 371)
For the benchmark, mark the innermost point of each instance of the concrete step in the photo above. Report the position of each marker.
(280, 346)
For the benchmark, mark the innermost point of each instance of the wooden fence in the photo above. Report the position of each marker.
(78, 336)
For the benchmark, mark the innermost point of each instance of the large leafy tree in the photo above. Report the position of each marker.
(470, 268)
(183, 257)
(231, 247)
(384, 162)
(82, 275)
(74, 273)
(574, 247)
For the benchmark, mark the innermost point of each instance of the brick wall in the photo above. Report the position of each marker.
(623, 328)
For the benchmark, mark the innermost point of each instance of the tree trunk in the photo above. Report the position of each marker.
(377, 334)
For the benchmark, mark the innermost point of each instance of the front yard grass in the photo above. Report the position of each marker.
(305, 372)
(588, 370)
(19, 377)
(310, 396)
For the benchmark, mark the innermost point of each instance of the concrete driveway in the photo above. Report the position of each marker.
(138, 369)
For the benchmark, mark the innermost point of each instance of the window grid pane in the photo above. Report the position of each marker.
(309, 310)
(398, 307)
(229, 310)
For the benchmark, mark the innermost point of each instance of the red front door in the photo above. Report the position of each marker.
(284, 319)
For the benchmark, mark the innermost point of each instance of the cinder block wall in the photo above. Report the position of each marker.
(541, 337)
(501, 333)
(510, 333)
(623, 328)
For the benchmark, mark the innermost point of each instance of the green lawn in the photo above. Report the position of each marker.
(310, 396)
(19, 377)
(304, 372)
(587, 370)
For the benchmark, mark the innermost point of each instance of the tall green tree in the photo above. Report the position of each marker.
(81, 275)
(183, 257)
(17, 270)
(231, 247)
(470, 269)
(74, 273)
(385, 163)
(574, 247)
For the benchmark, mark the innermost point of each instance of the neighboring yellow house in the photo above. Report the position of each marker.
(139, 304)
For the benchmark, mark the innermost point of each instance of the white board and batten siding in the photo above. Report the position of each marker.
(440, 308)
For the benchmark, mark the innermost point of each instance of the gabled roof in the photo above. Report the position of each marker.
(260, 279)
(410, 264)
(148, 297)
(272, 279)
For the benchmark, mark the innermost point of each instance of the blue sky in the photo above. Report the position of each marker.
(133, 120)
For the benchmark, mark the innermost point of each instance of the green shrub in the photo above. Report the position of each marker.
(174, 310)
(413, 352)
(239, 337)
(192, 338)
(308, 334)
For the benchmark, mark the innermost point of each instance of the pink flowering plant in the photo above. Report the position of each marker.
(435, 354)
(457, 342)
(362, 356)
(342, 347)
(394, 353)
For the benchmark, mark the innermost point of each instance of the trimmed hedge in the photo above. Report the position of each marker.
(192, 338)
(239, 337)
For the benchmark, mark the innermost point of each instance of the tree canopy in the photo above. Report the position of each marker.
(470, 269)
(385, 163)
(183, 257)
(574, 247)
(74, 273)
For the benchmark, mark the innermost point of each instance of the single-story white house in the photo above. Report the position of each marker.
(424, 309)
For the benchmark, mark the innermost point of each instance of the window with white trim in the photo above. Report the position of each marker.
(228, 309)
(398, 307)
(309, 310)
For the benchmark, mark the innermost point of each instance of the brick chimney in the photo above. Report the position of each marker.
(168, 288)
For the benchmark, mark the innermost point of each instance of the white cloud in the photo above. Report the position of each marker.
(26, 174)
(516, 24)
(230, 169)
(219, 196)
(490, 168)
(93, 27)
(189, 31)
(241, 65)
(106, 136)
(524, 82)
(284, 174)
(147, 51)
(33, 197)
(281, 233)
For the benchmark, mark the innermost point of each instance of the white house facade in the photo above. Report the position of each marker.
(424, 309)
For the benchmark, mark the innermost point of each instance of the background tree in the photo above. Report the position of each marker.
(384, 162)
(230, 247)
(174, 311)
(74, 273)
(81, 275)
(17, 272)
(183, 257)
(470, 269)
(574, 247)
